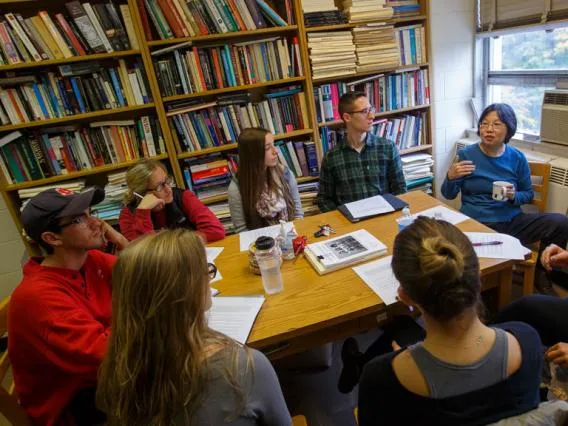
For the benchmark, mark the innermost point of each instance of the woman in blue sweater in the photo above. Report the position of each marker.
(492, 159)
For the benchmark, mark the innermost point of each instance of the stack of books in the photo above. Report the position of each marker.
(300, 157)
(417, 169)
(375, 47)
(205, 125)
(396, 90)
(72, 185)
(308, 195)
(359, 11)
(75, 89)
(405, 132)
(110, 207)
(208, 176)
(86, 29)
(182, 70)
(221, 210)
(332, 54)
(59, 151)
(411, 44)
(321, 13)
(404, 8)
(190, 18)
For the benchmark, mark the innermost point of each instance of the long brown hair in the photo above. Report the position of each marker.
(254, 177)
(156, 364)
(437, 267)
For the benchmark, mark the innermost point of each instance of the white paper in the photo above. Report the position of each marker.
(369, 207)
(248, 237)
(379, 277)
(214, 291)
(511, 247)
(213, 253)
(234, 316)
(448, 215)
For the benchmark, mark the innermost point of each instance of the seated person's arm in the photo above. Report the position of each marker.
(376, 403)
(454, 178)
(298, 211)
(236, 208)
(204, 219)
(326, 194)
(558, 354)
(138, 222)
(554, 257)
(397, 182)
(524, 193)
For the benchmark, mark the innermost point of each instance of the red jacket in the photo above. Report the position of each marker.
(59, 324)
(137, 223)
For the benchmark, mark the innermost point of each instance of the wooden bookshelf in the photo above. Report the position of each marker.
(418, 148)
(399, 68)
(378, 115)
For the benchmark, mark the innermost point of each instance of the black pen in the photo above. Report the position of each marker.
(488, 243)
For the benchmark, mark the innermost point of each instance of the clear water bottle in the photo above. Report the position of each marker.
(269, 260)
(405, 219)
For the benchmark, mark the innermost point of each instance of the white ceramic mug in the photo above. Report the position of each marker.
(500, 190)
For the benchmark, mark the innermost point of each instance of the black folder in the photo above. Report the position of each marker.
(396, 203)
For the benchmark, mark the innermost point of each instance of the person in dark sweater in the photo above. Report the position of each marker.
(463, 372)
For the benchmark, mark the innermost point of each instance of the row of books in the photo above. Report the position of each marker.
(27, 193)
(404, 8)
(206, 125)
(406, 131)
(332, 54)
(411, 44)
(84, 29)
(191, 70)
(75, 89)
(386, 92)
(300, 157)
(190, 18)
(375, 47)
(358, 11)
(59, 151)
(210, 175)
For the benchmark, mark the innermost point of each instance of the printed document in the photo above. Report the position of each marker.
(369, 207)
(510, 247)
(446, 214)
(379, 277)
(234, 316)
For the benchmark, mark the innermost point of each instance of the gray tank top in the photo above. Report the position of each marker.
(445, 380)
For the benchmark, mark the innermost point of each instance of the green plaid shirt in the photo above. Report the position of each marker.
(347, 175)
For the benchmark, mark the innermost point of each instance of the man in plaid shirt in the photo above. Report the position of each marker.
(361, 165)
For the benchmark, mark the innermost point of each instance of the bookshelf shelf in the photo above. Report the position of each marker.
(375, 71)
(223, 36)
(350, 26)
(329, 28)
(304, 179)
(75, 175)
(232, 89)
(76, 117)
(97, 57)
(231, 146)
(216, 199)
(378, 115)
(418, 148)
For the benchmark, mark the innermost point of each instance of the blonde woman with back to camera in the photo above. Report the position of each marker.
(164, 365)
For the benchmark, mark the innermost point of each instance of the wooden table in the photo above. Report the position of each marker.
(313, 309)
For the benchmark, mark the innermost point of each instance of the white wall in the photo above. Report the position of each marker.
(452, 29)
(11, 252)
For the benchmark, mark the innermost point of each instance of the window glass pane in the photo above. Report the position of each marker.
(525, 100)
(535, 50)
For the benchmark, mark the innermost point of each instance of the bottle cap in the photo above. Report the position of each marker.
(264, 243)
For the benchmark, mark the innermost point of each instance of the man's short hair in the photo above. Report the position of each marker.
(347, 100)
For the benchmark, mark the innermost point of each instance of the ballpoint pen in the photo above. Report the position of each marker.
(488, 243)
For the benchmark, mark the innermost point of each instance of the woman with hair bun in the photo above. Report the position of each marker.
(463, 372)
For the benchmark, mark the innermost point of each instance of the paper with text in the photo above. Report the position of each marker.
(448, 215)
(511, 247)
(248, 237)
(369, 207)
(379, 277)
(234, 316)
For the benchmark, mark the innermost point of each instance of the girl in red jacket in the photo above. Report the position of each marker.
(151, 203)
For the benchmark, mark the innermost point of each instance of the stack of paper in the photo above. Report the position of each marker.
(332, 54)
(318, 6)
(75, 185)
(375, 47)
(308, 196)
(221, 210)
(497, 246)
(366, 10)
(417, 169)
(234, 316)
(110, 207)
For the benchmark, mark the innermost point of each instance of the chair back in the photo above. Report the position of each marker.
(9, 406)
(540, 177)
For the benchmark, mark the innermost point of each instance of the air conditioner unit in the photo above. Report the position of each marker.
(558, 187)
(554, 121)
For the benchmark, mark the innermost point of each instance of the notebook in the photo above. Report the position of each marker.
(371, 207)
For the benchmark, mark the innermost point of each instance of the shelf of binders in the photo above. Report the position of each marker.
(371, 72)
(224, 36)
(233, 89)
(418, 148)
(94, 57)
(350, 26)
(379, 114)
(75, 175)
(231, 146)
(75, 117)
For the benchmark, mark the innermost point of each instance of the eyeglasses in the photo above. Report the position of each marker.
(79, 219)
(169, 182)
(366, 111)
(211, 270)
(494, 126)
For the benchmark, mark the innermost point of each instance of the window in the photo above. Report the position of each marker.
(519, 67)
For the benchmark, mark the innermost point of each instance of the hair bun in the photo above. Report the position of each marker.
(440, 257)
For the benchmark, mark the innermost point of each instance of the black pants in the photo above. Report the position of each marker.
(548, 228)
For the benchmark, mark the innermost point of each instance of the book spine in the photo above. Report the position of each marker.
(46, 37)
(72, 38)
(96, 24)
(129, 26)
(23, 36)
(55, 34)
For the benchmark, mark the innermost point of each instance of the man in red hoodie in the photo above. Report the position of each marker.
(60, 315)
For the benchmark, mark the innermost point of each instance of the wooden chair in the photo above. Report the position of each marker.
(9, 406)
(299, 421)
(540, 176)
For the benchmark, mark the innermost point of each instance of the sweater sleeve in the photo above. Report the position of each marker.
(204, 219)
(327, 200)
(134, 224)
(397, 182)
(298, 211)
(236, 207)
(524, 193)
